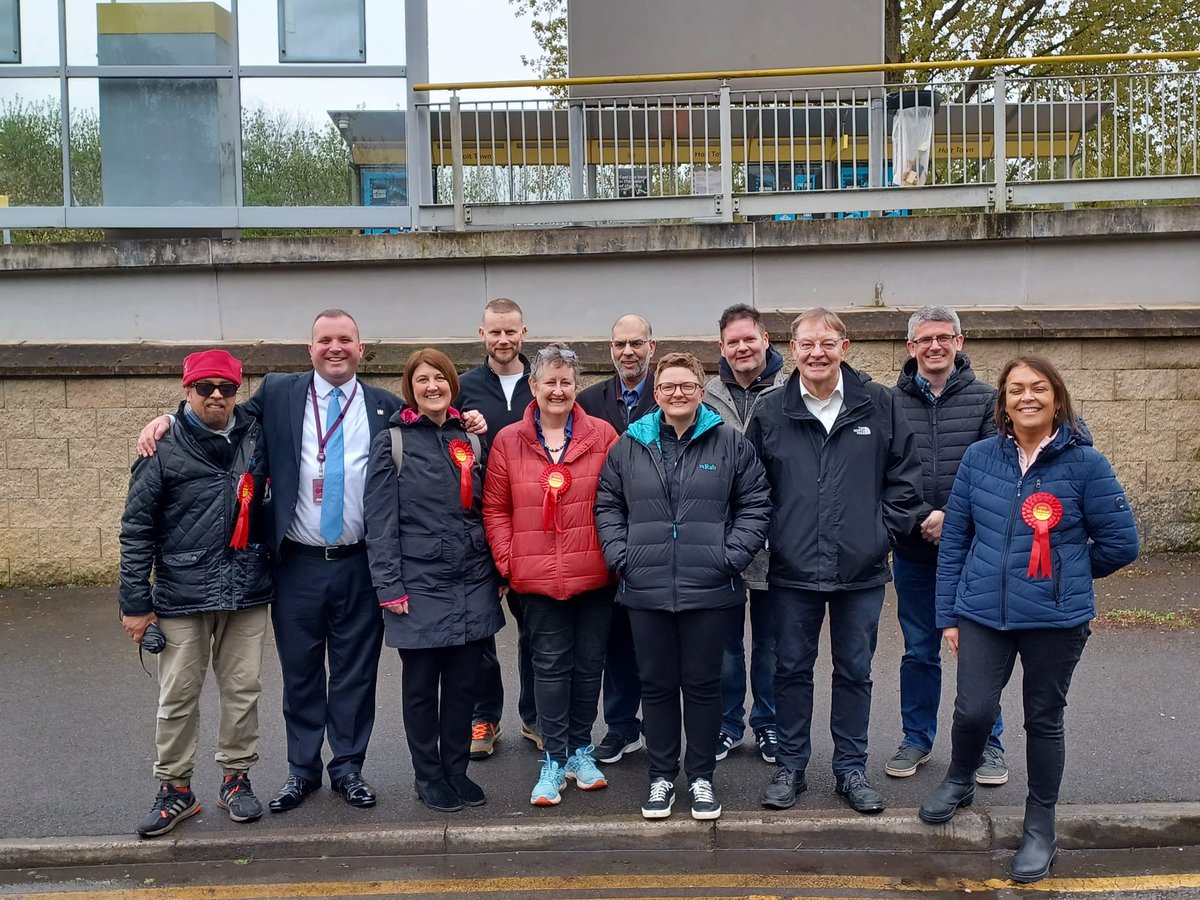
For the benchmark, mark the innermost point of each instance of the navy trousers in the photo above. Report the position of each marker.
(622, 686)
(489, 687)
(327, 610)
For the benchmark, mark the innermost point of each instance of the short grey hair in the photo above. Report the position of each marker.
(933, 314)
(556, 353)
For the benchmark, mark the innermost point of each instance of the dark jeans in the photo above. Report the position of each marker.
(680, 653)
(985, 663)
(438, 728)
(762, 668)
(853, 629)
(327, 609)
(622, 687)
(921, 666)
(489, 689)
(567, 639)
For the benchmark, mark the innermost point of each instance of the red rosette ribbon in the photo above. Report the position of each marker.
(555, 481)
(241, 530)
(1041, 512)
(464, 457)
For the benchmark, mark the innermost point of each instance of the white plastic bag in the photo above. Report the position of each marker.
(912, 136)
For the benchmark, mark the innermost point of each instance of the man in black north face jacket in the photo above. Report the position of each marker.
(845, 476)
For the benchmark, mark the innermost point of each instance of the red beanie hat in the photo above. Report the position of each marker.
(211, 364)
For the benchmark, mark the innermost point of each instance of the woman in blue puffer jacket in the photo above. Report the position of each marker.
(1032, 519)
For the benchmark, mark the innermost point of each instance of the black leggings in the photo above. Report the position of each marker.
(985, 663)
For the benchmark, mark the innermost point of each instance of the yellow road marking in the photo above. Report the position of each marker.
(284, 891)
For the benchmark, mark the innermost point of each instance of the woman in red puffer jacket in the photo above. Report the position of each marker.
(538, 513)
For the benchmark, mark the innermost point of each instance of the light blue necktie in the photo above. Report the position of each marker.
(331, 499)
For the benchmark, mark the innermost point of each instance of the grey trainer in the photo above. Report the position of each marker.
(992, 771)
(905, 761)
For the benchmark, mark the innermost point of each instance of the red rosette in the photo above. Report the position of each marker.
(1041, 512)
(556, 478)
(241, 531)
(463, 456)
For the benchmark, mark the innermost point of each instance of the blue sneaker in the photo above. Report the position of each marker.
(581, 768)
(547, 791)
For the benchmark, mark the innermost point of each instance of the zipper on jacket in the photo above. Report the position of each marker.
(1012, 519)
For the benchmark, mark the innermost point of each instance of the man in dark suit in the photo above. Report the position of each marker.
(620, 400)
(318, 427)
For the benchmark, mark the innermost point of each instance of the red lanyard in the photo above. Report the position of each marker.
(322, 441)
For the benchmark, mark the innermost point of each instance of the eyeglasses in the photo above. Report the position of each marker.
(943, 339)
(563, 353)
(667, 389)
(206, 388)
(632, 345)
(810, 346)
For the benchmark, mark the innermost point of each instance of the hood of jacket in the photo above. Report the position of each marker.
(645, 430)
(964, 375)
(774, 364)
(854, 393)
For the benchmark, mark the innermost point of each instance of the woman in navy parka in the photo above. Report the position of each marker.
(1032, 519)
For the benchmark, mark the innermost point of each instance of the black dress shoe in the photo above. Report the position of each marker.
(859, 794)
(781, 790)
(355, 790)
(292, 794)
(468, 791)
(438, 795)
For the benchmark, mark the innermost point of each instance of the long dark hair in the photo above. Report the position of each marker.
(1063, 410)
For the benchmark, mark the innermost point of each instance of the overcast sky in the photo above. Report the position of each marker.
(469, 40)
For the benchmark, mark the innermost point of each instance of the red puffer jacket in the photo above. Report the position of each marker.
(533, 559)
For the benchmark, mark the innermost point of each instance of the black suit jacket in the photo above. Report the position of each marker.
(279, 404)
(604, 400)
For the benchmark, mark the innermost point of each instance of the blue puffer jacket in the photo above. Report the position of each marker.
(984, 554)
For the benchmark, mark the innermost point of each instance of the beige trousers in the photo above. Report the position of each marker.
(235, 642)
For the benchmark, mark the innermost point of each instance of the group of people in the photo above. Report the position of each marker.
(625, 527)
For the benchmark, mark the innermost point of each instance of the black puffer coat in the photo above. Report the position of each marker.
(179, 517)
(963, 414)
(423, 545)
(680, 539)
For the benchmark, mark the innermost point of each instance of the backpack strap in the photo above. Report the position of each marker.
(397, 447)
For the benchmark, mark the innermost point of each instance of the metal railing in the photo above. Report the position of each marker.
(994, 144)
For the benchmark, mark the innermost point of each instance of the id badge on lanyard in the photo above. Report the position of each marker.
(318, 483)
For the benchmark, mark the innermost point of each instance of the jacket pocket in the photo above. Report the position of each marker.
(1056, 576)
(181, 558)
(421, 547)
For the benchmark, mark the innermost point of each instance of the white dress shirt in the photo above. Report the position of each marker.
(356, 438)
(826, 411)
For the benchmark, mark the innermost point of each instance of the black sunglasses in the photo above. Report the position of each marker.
(205, 388)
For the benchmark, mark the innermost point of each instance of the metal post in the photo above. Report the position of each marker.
(577, 151)
(1000, 150)
(64, 101)
(236, 100)
(456, 160)
(416, 116)
(876, 144)
(726, 118)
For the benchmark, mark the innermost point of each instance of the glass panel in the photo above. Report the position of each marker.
(30, 142)
(153, 142)
(10, 31)
(168, 32)
(307, 141)
(331, 31)
(259, 30)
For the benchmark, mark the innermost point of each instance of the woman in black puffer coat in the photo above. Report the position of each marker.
(433, 573)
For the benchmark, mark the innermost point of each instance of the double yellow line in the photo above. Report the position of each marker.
(638, 884)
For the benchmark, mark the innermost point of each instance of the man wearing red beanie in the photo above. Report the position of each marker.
(212, 584)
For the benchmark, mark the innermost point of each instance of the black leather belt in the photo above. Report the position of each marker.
(329, 554)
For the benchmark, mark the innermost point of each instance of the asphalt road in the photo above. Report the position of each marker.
(76, 739)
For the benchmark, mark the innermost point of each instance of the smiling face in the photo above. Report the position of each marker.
(631, 349)
(818, 351)
(744, 346)
(934, 356)
(503, 334)
(1030, 402)
(677, 406)
(335, 349)
(215, 409)
(554, 389)
(431, 392)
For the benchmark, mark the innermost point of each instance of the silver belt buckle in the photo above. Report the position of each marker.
(331, 554)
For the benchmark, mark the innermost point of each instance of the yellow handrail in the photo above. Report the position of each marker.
(808, 70)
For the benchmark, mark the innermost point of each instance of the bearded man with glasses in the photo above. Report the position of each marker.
(194, 519)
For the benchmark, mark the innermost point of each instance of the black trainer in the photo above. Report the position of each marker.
(767, 739)
(660, 799)
(614, 746)
(171, 806)
(704, 800)
(237, 798)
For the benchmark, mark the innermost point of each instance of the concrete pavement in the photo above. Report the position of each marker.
(77, 744)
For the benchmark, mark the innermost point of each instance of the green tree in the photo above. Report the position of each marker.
(288, 162)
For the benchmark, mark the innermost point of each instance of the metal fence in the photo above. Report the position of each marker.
(991, 144)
